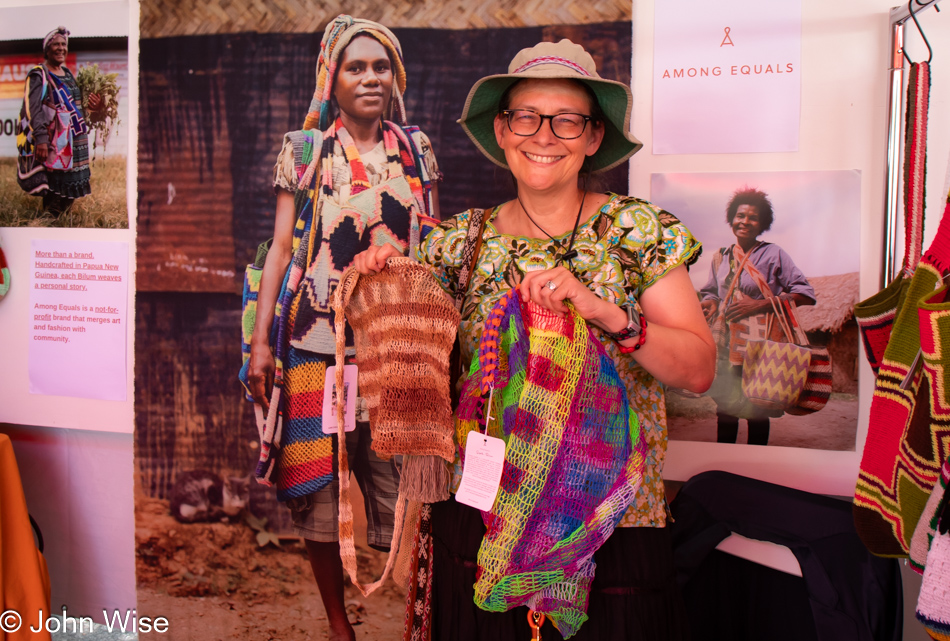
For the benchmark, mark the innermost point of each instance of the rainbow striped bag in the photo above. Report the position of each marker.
(574, 458)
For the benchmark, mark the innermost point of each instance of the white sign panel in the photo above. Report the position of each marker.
(727, 76)
(78, 305)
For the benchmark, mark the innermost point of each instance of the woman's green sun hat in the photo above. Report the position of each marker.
(550, 60)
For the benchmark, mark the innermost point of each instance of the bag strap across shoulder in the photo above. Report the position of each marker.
(470, 251)
(735, 279)
(785, 310)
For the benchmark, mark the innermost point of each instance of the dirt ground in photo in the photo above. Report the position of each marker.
(834, 427)
(213, 581)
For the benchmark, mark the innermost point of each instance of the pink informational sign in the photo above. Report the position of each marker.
(726, 76)
(77, 318)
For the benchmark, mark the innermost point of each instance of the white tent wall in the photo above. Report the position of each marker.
(845, 53)
(845, 84)
(74, 455)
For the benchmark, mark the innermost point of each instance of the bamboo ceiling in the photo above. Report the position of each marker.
(166, 18)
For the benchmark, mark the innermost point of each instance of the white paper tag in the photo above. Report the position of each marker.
(329, 399)
(481, 475)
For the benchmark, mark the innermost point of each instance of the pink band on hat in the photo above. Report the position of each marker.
(548, 60)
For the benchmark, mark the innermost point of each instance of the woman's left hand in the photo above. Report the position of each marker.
(551, 288)
(95, 102)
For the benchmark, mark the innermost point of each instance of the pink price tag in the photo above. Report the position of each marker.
(329, 399)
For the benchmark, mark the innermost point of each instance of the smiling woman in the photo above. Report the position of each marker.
(617, 264)
(52, 133)
(329, 178)
(743, 305)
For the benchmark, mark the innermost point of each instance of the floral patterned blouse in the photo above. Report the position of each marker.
(623, 249)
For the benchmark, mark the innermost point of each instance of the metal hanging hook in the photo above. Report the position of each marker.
(913, 16)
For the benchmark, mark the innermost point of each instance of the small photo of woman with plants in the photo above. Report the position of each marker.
(63, 164)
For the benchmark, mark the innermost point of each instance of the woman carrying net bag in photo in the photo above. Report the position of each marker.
(354, 152)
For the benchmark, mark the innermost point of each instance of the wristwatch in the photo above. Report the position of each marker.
(633, 326)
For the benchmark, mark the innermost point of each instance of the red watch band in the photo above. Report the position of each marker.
(643, 338)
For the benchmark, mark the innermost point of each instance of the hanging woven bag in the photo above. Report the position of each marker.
(909, 426)
(774, 372)
(875, 315)
(574, 458)
(817, 389)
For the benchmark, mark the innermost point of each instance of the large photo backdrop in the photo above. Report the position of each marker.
(216, 97)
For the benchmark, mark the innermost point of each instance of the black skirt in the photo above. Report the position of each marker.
(633, 596)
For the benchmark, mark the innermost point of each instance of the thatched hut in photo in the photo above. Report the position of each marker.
(831, 322)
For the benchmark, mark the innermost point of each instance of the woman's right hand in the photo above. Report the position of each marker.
(260, 374)
(374, 259)
(710, 307)
(41, 152)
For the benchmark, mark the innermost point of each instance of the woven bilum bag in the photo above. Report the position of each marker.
(876, 315)
(909, 426)
(404, 327)
(574, 458)
(774, 372)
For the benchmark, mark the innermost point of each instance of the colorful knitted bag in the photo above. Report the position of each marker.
(909, 431)
(875, 316)
(933, 604)
(574, 458)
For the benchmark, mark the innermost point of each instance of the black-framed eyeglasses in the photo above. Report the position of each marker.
(566, 126)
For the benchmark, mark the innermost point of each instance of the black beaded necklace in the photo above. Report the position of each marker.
(571, 253)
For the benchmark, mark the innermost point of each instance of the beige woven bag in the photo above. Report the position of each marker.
(404, 326)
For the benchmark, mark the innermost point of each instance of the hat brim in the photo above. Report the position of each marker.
(614, 98)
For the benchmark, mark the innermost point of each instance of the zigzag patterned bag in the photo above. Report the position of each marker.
(574, 458)
(774, 373)
(785, 375)
(909, 430)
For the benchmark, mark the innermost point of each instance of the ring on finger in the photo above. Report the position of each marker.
(551, 285)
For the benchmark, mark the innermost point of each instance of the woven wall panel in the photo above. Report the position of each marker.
(184, 188)
(164, 18)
